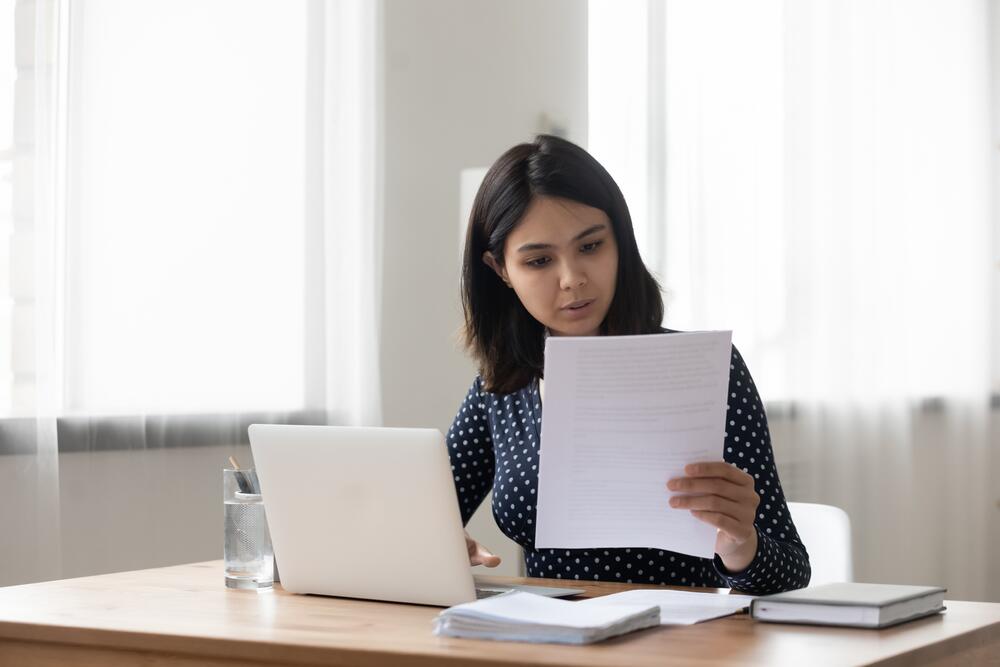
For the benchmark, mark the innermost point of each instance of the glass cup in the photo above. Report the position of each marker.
(249, 559)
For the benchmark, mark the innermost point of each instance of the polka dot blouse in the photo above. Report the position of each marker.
(493, 444)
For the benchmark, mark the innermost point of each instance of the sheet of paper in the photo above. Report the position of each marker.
(677, 607)
(622, 415)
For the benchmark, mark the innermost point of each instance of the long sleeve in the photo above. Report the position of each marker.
(470, 448)
(781, 562)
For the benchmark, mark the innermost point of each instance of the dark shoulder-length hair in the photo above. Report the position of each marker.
(506, 341)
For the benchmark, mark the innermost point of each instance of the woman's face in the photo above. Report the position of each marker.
(562, 261)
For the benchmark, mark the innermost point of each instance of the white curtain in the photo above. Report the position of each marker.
(353, 210)
(815, 175)
(195, 246)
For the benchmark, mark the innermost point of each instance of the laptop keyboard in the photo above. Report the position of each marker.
(489, 592)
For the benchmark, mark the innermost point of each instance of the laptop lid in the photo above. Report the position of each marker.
(363, 512)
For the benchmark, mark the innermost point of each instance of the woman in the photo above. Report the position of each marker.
(550, 250)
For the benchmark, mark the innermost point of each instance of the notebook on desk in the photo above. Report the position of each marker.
(367, 513)
(850, 604)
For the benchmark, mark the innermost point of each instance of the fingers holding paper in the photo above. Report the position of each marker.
(723, 496)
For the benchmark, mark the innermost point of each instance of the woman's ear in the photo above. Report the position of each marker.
(491, 262)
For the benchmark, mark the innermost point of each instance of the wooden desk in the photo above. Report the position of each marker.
(184, 615)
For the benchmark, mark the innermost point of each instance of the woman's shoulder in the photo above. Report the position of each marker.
(491, 397)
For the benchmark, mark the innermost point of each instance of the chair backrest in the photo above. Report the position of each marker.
(825, 530)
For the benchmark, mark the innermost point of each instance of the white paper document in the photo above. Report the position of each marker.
(519, 616)
(622, 415)
(676, 607)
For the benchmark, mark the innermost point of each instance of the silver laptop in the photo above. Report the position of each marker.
(367, 513)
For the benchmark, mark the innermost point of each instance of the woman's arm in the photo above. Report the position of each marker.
(470, 448)
(780, 562)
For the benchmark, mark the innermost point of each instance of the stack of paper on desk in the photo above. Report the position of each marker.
(527, 617)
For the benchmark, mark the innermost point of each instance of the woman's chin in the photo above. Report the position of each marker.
(575, 329)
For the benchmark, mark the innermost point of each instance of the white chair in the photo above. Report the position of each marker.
(825, 530)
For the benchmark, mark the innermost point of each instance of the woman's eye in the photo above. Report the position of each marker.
(592, 246)
(541, 261)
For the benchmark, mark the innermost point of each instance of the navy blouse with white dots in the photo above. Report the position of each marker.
(494, 443)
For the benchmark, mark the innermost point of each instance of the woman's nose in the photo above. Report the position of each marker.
(572, 276)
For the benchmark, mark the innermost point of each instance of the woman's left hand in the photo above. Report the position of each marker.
(723, 496)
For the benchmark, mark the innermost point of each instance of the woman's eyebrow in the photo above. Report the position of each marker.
(528, 247)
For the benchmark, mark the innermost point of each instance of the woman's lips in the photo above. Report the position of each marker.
(582, 308)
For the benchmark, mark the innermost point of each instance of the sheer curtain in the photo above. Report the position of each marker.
(816, 176)
(195, 246)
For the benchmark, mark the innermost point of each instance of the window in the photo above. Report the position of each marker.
(812, 176)
(186, 221)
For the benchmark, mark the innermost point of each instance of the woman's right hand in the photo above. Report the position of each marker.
(478, 555)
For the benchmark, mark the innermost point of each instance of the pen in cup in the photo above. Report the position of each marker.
(241, 477)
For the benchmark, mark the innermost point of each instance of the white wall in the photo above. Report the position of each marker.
(120, 510)
(464, 81)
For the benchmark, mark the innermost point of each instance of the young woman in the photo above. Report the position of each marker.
(550, 251)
